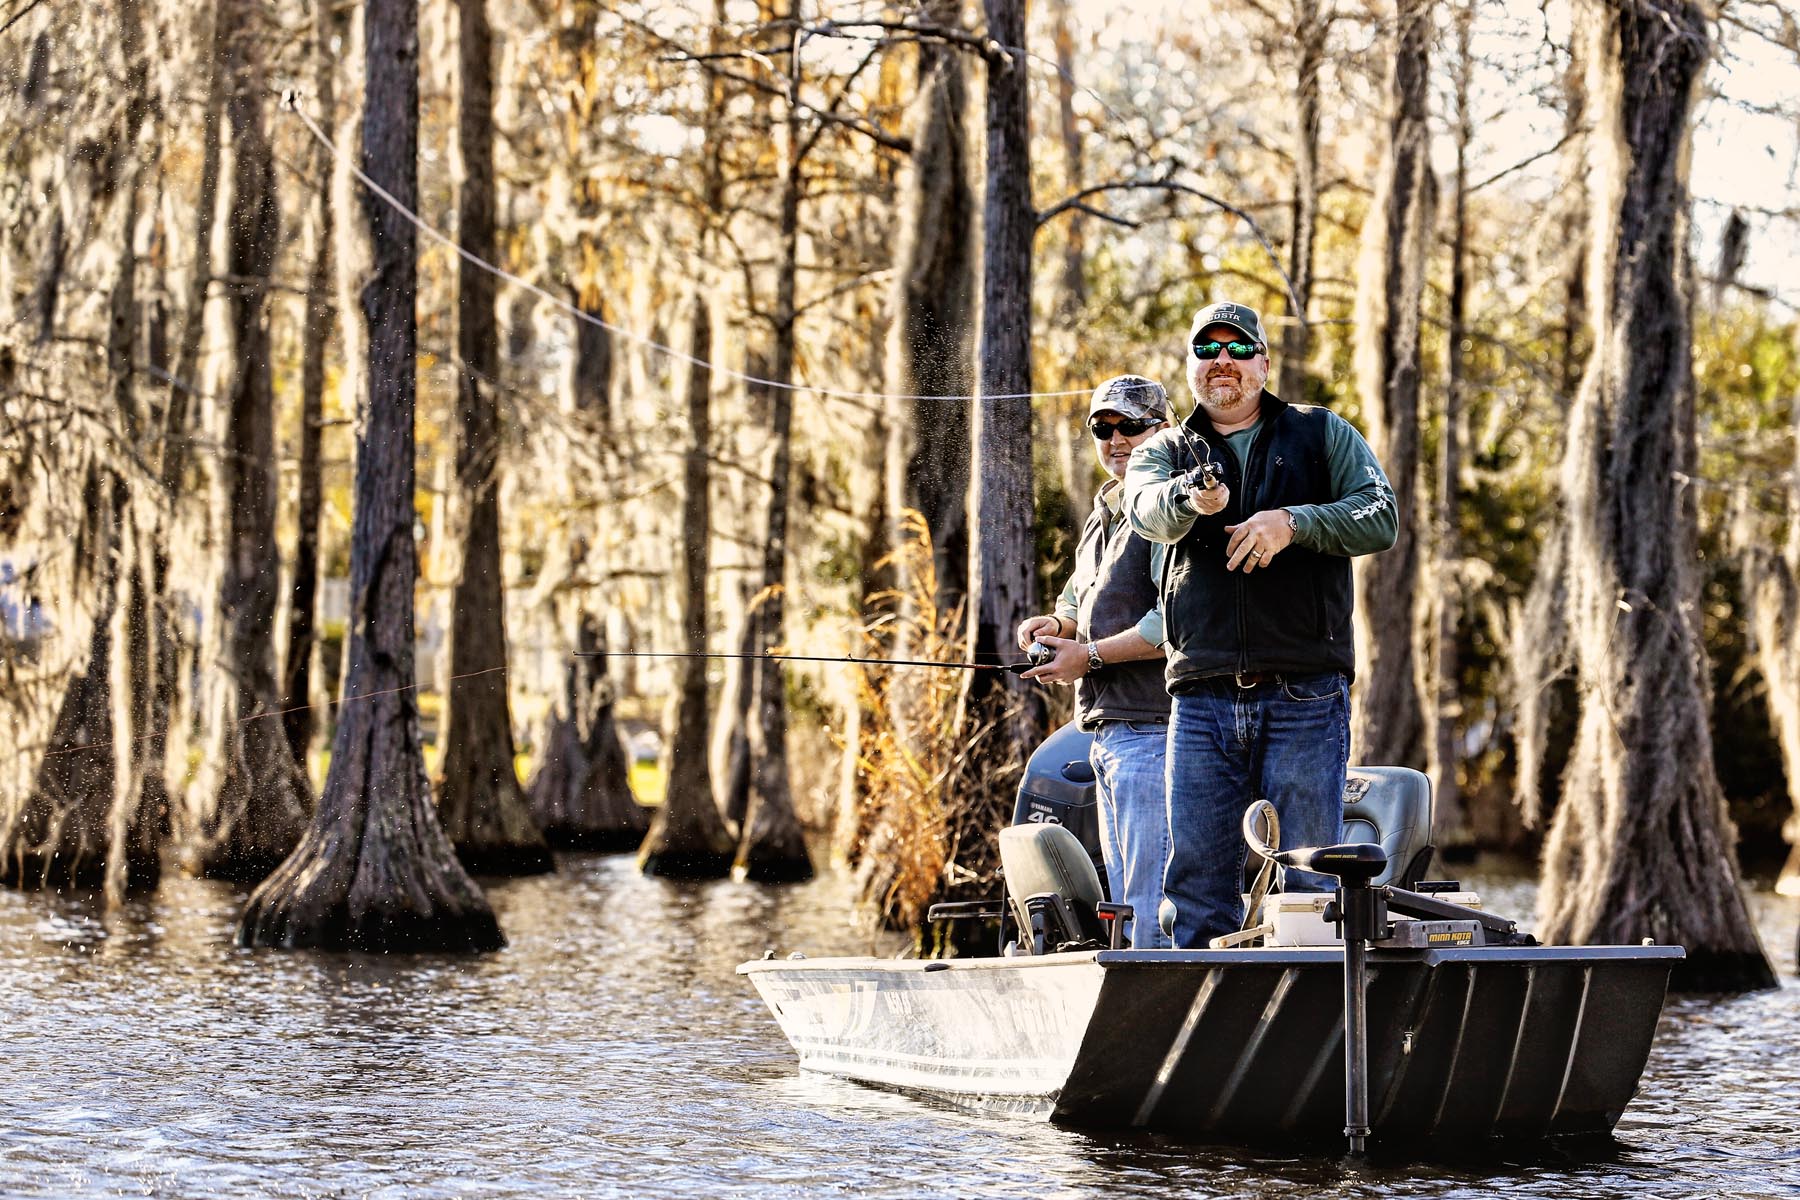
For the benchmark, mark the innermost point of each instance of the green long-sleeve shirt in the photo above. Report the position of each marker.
(1361, 520)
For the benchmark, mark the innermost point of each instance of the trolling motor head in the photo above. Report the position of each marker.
(1354, 864)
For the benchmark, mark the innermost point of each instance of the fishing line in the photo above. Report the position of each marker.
(291, 101)
(275, 712)
(1010, 668)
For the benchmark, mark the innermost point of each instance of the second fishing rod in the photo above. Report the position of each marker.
(1036, 656)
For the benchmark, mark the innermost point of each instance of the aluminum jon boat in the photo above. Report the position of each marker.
(1459, 1028)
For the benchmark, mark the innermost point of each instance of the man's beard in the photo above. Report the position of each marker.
(1223, 391)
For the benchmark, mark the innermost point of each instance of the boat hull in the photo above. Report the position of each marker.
(995, 1035)
(1246, 1045)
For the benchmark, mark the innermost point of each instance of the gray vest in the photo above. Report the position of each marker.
(1113, 591)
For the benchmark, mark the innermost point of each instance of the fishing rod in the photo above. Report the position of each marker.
(1036, 656)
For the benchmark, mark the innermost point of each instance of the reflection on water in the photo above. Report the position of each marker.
(611, 1051)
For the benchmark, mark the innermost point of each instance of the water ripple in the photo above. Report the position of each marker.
(610, 1051)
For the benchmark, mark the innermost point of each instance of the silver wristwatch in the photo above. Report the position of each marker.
(1095, 662)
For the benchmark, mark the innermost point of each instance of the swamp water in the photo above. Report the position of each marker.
(611, 1051)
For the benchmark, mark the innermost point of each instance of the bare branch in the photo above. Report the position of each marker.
(20, 15)
(1077, 201)
(1526, 162)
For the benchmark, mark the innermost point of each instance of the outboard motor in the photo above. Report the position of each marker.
(1058, 789)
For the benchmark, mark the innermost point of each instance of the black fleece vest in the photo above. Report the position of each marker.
(1292, 616)
(1113, 591)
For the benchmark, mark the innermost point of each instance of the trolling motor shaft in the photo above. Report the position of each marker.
(1361, 911)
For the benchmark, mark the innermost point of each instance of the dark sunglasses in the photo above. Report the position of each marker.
(1103, 430)
(1207, 351)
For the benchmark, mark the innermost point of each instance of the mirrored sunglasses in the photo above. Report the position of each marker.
(1207, 351)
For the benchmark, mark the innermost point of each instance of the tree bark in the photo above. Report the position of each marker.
(58, 837)
(933, 317)
(1771, 582)
(92, 815)
(1541, 659)
(771, 846)
(581, 796)
(1641, 845)
(1073, 457)
(1450, 824)
(296, 682)
(731, 762)
(1771, 586)
(687, 836)
(245, 812)
(1001, 717)
(1390, 724)
(375, 870)
(480, 802)
(1310, 29)
(140, 796)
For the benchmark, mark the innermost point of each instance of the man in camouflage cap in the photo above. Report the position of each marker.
(1256, 611)
(1106, 635)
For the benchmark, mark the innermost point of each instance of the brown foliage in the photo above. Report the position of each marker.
(920, 837)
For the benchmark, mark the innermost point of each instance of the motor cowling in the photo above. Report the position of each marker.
(1058, 789)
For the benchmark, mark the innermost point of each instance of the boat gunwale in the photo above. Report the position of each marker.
(1278, 956)
(900, 966)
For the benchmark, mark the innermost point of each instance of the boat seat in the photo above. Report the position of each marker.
(1054, 891)
(1391, 807)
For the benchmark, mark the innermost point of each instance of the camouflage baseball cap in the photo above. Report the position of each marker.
(1240, 317)
(1131, 396)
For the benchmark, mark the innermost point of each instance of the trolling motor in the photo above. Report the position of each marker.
(1361, 911)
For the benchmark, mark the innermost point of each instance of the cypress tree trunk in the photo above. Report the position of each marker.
(480, 802)
(1541, 662)
(246, 810)
(771, 847)
(140, 795)
(688, 836)
(731, 731)
(1450, 824)
(933, 319)
(1390, 722)
(581, 796)
(375, 870)
(1641, 845)
(171, 643)
(1771, 582)
(1001, 717)
(1064, 415)
(58, 836)
(92, 813)
(296, 681)
(1296, 340)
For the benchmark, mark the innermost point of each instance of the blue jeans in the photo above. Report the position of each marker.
(1287, 741)
(1129, 775)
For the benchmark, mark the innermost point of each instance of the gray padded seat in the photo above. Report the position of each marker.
(1043, 858)
(1391, 806)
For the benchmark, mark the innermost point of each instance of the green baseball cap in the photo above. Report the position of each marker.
(1240, 317)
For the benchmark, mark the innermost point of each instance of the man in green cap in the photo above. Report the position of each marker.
(1256, 607)
(1105, 637)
